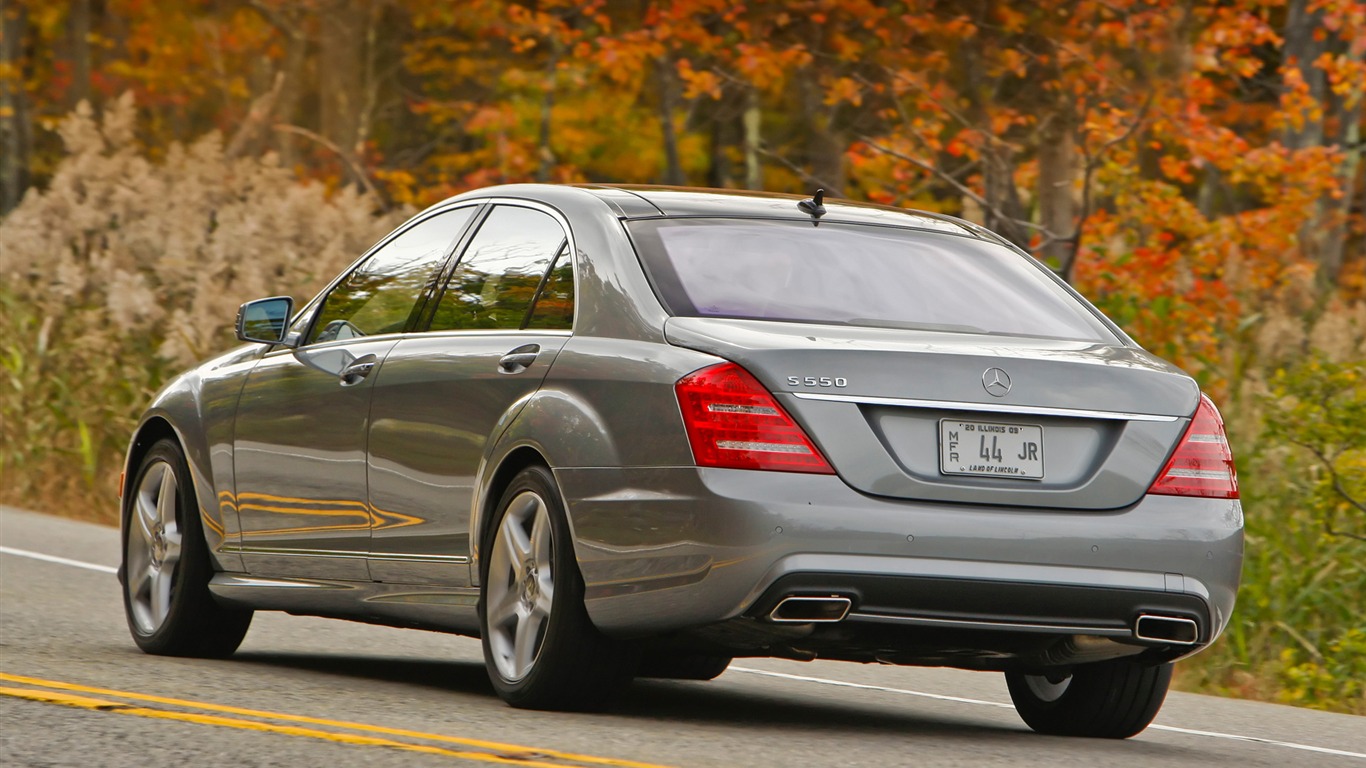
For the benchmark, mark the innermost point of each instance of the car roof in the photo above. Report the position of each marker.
(644, 201)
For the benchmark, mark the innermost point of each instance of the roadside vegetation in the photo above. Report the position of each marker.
(1194, 169)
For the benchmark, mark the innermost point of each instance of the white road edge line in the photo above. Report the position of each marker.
(867, 687)
(820, 680)
(59, 560)
(960, 699)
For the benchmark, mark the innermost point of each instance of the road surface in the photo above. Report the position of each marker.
(75, 691)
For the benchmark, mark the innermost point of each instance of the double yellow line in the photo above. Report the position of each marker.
(342, 732)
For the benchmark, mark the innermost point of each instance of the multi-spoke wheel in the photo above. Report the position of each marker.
(166, 567)
(521, 586)
(541, 650)
(1109, 699)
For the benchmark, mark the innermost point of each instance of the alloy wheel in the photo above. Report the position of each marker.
(521, 586)
(154, 547)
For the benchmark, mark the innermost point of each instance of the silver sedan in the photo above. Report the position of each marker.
(621, 432)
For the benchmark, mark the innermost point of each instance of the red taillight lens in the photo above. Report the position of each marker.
(1202, 464)
(733, 422)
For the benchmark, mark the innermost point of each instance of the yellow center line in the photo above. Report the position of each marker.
(83, 702)
(509, 750)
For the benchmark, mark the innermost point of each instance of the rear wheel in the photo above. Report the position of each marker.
(540, 648)
(1110, 699)
(166, 565)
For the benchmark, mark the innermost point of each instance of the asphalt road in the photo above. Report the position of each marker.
(75, 691)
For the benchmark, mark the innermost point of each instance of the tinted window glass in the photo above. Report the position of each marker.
(381, 294)
(855, 275)
(555, 304)
(496, 280)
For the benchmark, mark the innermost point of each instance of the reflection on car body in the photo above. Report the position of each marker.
(620, 432)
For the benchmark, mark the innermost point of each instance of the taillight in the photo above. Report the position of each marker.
(1202, 464)
(733, 422)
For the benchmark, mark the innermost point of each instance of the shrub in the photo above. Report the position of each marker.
(124, 270)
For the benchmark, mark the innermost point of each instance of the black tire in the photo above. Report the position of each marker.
(682, 666)
(190, 622)
(1110, 699)
(569, 664)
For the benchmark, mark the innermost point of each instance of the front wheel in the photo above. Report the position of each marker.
(166, 566)
(1109, 699)
(540, 648)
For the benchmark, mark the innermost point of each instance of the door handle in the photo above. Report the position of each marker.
(357, 370)
(519, 359)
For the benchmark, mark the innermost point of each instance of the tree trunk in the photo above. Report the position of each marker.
(16, 139)
(752, 120)
(1301, 49)
(546, 155)
(341, 73)
(1003, 211)
(1057, 179)
(824, 147)
(1323, 234)
(668, 104)
(78, 26)
(1333, 238)
(292, 24)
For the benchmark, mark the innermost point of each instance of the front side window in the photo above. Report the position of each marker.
(851, 274)
(503, 271)
(384, 292)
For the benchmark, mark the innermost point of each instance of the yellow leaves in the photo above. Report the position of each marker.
(698, 83)
(1176, 169)
(843, 90)
(1012, 61)
(1298, 105)
(1346, 75)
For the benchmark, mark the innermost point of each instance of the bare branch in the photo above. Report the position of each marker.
(356, 170)
(258, 117)
(1048, 236)
(797, 169)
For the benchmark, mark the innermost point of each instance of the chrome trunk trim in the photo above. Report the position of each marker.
(995, 408)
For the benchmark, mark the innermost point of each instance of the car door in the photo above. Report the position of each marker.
(300, 433)
(441, 396)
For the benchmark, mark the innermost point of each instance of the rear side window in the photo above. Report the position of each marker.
(849, 274)
(501, 274)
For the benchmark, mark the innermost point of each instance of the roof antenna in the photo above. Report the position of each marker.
(815, 207)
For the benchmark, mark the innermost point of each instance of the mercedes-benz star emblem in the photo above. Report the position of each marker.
(996, 382)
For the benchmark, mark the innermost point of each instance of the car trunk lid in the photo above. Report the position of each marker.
(913, 413)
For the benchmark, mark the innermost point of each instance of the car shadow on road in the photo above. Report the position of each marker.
(442, 675)
(731, 701)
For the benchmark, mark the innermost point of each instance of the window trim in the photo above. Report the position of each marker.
(540, 287)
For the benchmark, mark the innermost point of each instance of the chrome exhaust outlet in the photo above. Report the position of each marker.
(1171, 630)
(810, 610)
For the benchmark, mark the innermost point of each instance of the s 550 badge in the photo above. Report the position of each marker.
(817, 381)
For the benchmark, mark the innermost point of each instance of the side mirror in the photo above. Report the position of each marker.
(264, 320)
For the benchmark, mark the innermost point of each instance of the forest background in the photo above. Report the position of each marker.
(1192, 166)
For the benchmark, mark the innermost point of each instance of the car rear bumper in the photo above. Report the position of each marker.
(664, 550)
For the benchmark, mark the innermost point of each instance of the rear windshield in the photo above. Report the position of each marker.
(850, 274)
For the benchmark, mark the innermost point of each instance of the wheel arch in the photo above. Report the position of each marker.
(160, 424)
(491, 492)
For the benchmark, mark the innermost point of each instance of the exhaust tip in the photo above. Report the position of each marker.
(1171, 630)
(809, 610)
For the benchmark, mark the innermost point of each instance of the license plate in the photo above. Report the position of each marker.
(989, 449)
